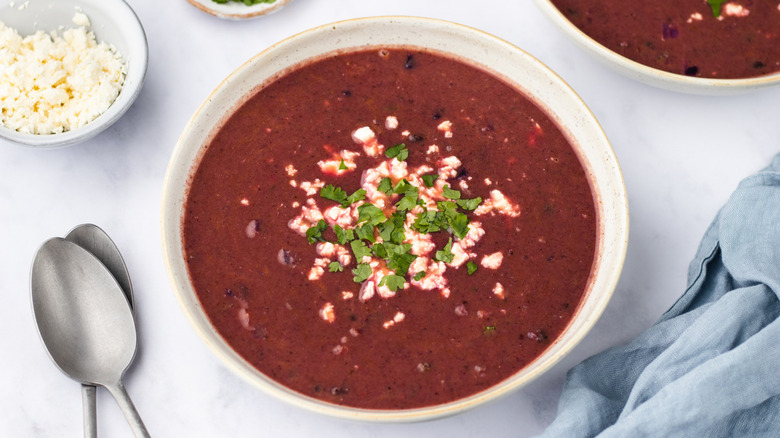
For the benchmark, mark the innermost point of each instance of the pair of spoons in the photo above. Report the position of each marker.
(83, 306)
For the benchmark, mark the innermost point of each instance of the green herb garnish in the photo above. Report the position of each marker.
(343, 166)
(371, 214)
(361, 273)
(715, 5)
(471, 267)
(399, 152)
(469, 204)
(419, 276)
(335, 267)
(489, 329)
(445, 255)
(450, 193)
(428, 180)
(339, 195)
(314, 234)
(385, 186)
(393, 282)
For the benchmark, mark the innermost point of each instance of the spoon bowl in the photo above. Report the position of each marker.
(84, 319)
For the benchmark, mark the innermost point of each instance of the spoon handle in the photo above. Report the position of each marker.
(90, 411)
(131, 414)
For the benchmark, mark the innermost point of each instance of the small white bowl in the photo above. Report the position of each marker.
(649, 75)
(112, 21)
(509, 62)
(236, 10)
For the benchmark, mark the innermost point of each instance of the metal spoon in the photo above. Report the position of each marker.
(95, 240)
(84, 320)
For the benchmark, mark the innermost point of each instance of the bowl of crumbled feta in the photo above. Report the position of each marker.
(68, 68)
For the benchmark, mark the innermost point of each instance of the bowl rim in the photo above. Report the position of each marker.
(649, 75)
(237, 11)
(137, 66)
(179, 174)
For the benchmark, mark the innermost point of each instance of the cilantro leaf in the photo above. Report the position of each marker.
(360, 249)
(385, 186)
(393, 282)
(460, 225)
(314, 234)
(445, 255)
(359, 195)
(343, 166)
(408, 202)
(450, 193)
(429, 180)
(343, 236)
(471, 267)
(333, 193)
(361, 273)
(419, 276)
(399, 152)
(366, 232)
(715, 5)
(371, 214)
(489, 329)
(335, 267)
(403, 187)
(469, 204)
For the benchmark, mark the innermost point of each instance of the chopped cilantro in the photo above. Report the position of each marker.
(343, 166)
(427, 222)
(335, 267)
(361, 273)
(343, 236)
(428, 180)
(386, 229)
(339, 195)
(489, 329)
(333, 193)
(314, 234)
(408, 202)
(445, 255)
(371, 214)
(393, 282)
(460, 225)
(404, 186)
(450, 193)
(419, 276)
(715, 6)
(469, 204)
(399, 152)
(385, 186)
(359, 195)
(471, 267)
(365, 232)
(360, 249)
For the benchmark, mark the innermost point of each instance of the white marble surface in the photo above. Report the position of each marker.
(681, 155)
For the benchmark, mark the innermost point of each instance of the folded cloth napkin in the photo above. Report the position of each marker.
(710, 367)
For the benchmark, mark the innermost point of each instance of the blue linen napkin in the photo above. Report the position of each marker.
(710, 367)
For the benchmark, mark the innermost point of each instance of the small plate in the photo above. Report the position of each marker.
(236, 10)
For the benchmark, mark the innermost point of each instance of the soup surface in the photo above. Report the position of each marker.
(389, 229)
(685, 36)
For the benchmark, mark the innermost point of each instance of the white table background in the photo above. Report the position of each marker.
(681, 155)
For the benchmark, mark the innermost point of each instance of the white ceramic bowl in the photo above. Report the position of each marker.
(112, 21)
(649, 75)
(236, 10)
(489, 52)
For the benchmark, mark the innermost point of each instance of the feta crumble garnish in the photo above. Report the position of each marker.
(51, 84)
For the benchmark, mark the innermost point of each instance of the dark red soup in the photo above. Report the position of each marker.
(389, 229)
(738, 39)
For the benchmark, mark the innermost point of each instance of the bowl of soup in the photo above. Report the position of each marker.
(393, 219)
(694, 46)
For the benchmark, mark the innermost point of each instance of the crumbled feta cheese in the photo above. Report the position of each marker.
(51, 84)
(492, 261)
(498, 290)
(327, 313)
(366, 137)
(312, 187)
(291, 170)
(391, 122)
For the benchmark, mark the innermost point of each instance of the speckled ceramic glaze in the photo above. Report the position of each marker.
(112, 21)
(235, 10)
(481, 49)
(649, 75)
